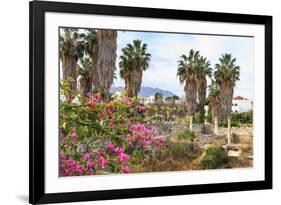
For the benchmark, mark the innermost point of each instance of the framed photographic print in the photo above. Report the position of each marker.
(140, 102)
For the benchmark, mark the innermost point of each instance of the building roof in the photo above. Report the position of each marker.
(239, 98)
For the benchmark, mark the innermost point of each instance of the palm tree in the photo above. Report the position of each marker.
(158, 97)
(134, 60)
(91, 50)
(84, 72)
(103, 55)
(172, 100)
(226, 75)
(186, 73)
(214, 103)
(71, 49)
(202, 70)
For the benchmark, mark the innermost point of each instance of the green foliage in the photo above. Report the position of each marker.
(226, 74)
(244, 117)
(163, 113)
(238, 118)
(223, 123)
(180, 150)
(186, 67)
(71, 43)
(213, 158)
(201, 111)
(158, 97)
(186, 134)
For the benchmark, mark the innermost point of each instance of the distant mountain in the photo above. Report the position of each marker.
(145, 91)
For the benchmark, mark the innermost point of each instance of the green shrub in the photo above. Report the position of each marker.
(186, 134)
(213, 158)
(244, 117)
(238, 118)
(223, 123)
(180, 150)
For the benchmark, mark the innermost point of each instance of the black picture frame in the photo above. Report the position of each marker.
(37, 128)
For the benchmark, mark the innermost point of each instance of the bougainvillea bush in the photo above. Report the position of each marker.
(102, 137)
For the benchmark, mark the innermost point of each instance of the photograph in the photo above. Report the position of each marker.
(133, 101)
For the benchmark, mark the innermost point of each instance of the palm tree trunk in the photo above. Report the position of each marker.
(191, 122)
(216, 125)
(228, 130)
(203, 126)
(85, 87)
(105, 63)
(69, 64)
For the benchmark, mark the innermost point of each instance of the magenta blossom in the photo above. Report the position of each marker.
(62, 156)
(110, 147)
(69, 98)
(126, 170)
(127, 101)
(97, 97)
(144, 144)
(66, 172)
(123, 158)
(102, 162)
(73, 136)
(119, 150)
(70, 162)
(141, 108)
(100, 153)
(79, 169)
(133, 128)
(87, 156)
(153, 130)
(90, 164)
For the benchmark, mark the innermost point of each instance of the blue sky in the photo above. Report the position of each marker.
(166, 48)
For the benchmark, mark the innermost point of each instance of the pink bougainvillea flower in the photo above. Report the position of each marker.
(153, 130)
(79, 169)
(138, 135)
(144, 144)
(69, 98)
(141, 108)
(87, 156)
(89, 172)
(66, 172)
(70, 163)
(123, 158)
(102, 162)
(126, 170)
(73, 136)
(127, 101)
(110, 147)
(90, 164)
(97, 97)
(142, 127)
(62, 156)
(119, 150)
(100, 153)
(133, 128)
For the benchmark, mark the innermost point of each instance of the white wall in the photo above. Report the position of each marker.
(241, 105)
(14, 100)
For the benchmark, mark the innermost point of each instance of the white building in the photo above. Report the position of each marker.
(149, 100)
(241, 104)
